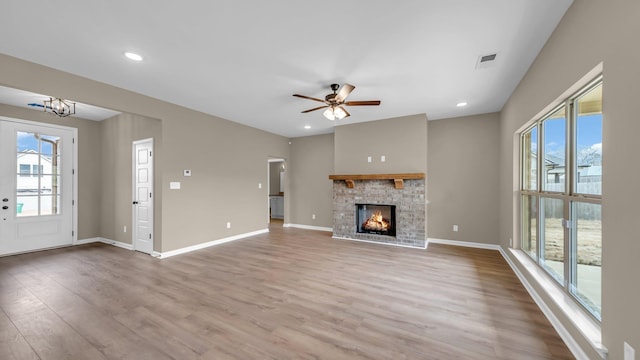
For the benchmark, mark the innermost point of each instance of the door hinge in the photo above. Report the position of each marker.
(149, 236)
(73, 202)
(73, 171)
(72, 233)
(149, 195)
(150, 153)
(73, 140)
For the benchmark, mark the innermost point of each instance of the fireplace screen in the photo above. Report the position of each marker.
(376, 219)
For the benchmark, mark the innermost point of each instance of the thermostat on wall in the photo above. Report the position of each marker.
(187, 173)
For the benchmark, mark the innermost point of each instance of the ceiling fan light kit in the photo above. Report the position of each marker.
(335, 113)
(335, 101)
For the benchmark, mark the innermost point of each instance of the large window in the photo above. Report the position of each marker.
(560, 205)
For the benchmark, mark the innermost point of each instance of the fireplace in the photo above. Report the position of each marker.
(376, 219)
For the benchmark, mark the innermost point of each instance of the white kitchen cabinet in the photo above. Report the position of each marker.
(276, 202)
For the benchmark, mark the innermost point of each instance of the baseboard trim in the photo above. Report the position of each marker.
(87, 241)
(117, 243)
(308, 227)
(464, 244)
(184, 250)
(381, 243)
(568, 339)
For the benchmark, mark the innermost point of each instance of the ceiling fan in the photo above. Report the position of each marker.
(334, 102)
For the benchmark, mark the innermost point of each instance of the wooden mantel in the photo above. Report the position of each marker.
(398, 179)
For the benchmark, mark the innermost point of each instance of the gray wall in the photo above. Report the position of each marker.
(117, 135)
(403, 141)
(592, 32)
(463, 178)
(227, 159)
(89, 168)
(311, 190)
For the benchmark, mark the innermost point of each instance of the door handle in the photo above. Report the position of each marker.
(5, 207)
(135, 203)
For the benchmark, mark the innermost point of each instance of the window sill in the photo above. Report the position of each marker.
(580, 319)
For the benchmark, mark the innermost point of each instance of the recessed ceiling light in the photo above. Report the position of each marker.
(133, 56)
(307, 126)
(461, 104)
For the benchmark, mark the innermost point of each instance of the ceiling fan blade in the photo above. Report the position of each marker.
(314, 109)
(344, 92)
(308, 97)
(362, 103)
(346, 112)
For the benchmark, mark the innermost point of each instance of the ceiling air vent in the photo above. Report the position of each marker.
(486, 61)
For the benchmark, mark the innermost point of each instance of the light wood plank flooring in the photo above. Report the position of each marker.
(289, 294)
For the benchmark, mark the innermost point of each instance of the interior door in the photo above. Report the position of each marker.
(143, 195)
(36, 187)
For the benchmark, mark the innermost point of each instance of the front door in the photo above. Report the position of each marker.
(36, 187)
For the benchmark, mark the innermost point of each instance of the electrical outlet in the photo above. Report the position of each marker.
(313, 216)
(455, 227)
(259, 185)
(383, 158)
(228, 225)
(629, 352)
(368, 158)
(125, 228)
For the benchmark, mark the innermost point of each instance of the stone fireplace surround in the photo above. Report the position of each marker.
(406, 192)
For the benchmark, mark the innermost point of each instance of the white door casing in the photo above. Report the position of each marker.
(36, 204)
(143, 196)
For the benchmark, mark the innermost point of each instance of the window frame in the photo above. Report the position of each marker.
(570, 196)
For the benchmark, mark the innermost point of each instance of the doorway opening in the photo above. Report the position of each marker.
(276, 177)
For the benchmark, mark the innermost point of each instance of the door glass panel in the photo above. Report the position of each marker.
(26, 205)
(38, 174)
(589, 142)
(530, 141)
(587, 282)
(529, 225)
(555, 139)
(552, 258)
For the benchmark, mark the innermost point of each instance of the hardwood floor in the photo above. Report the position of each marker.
(289, 294)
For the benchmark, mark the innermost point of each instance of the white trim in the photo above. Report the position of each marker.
(381, 243)
(464, 244)
(581, 321)
(117, 243)
(187, 249)
(309, 227)
(87, 241)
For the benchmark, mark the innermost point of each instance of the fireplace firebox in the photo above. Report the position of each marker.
(376, 219)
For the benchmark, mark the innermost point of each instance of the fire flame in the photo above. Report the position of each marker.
(376, 222)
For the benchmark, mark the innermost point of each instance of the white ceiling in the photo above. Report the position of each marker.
(242, 60)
